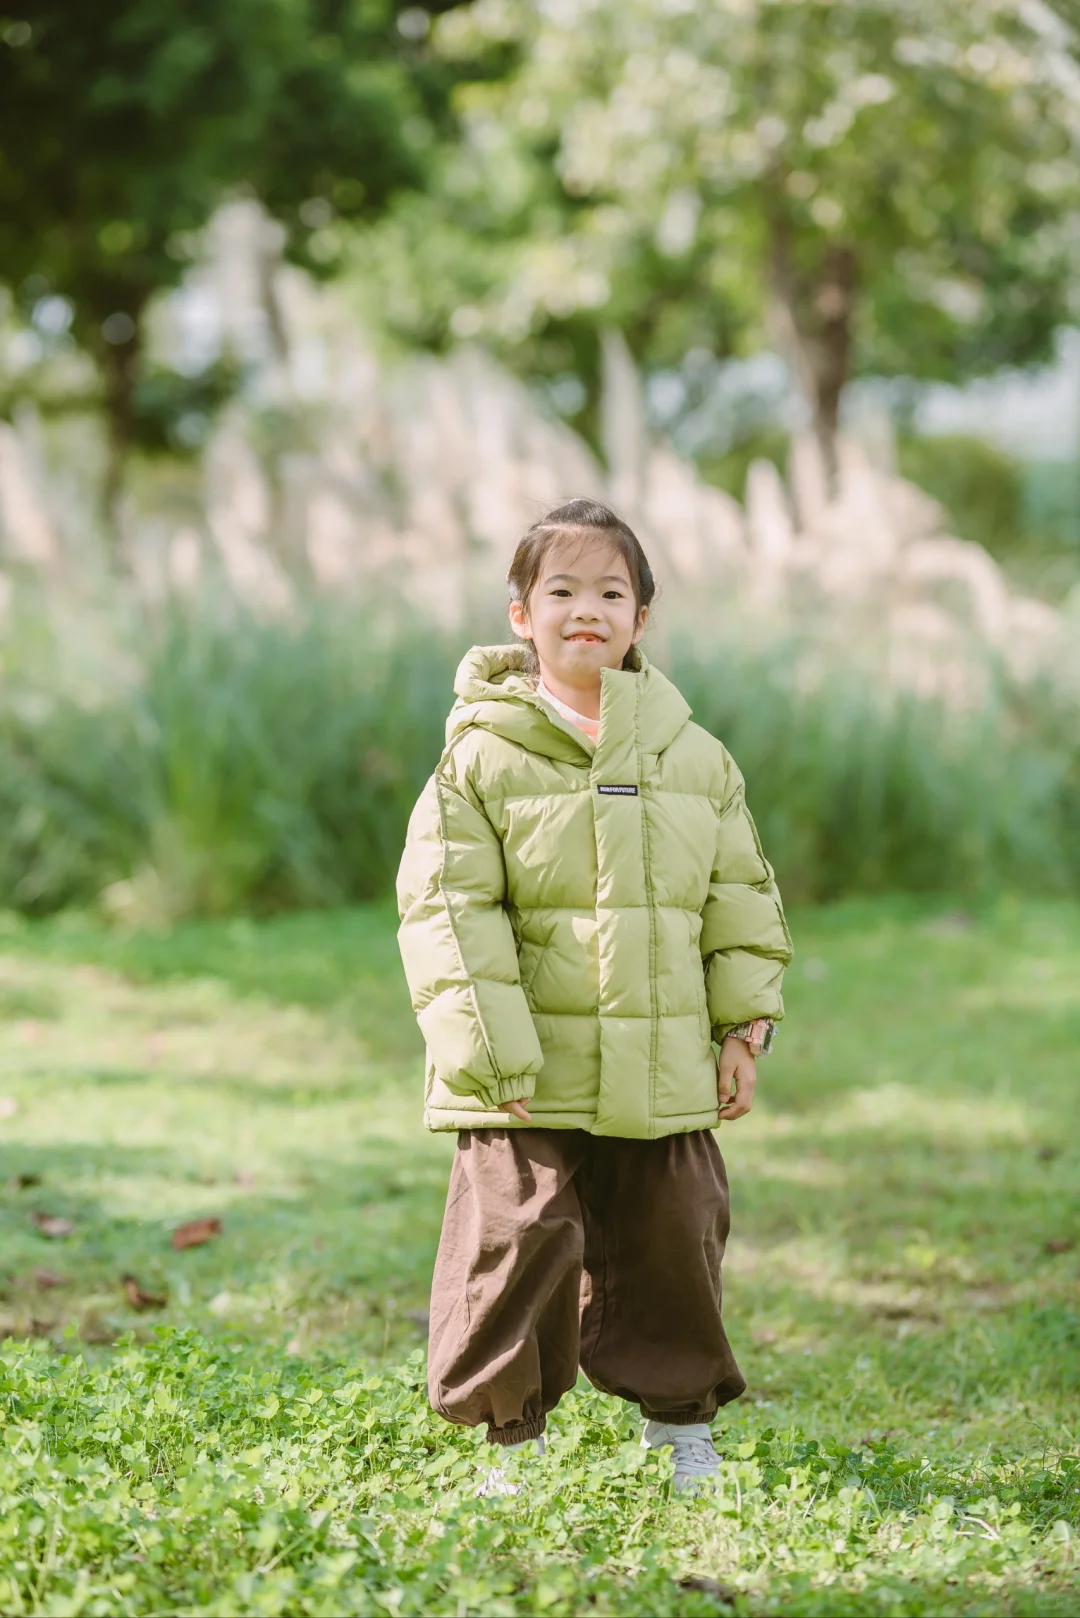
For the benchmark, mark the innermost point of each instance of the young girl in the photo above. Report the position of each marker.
(585, 908)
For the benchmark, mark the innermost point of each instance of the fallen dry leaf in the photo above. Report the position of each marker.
(138, 1298)
(93, 1329)
(1059, 1244)
(1047, 1154)
(725, 1594)
(195, 1233)
(8, 1106)
(245, 1178)
(48, 1278)
(53, 1225)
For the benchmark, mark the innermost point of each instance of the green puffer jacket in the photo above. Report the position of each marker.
(579, 920)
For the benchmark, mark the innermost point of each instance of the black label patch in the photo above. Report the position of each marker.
(619, 792)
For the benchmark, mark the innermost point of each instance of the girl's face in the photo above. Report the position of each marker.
(581, 615)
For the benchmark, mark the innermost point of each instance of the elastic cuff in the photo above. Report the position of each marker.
(518, 1433)
(500, 1091)
(679, 1418)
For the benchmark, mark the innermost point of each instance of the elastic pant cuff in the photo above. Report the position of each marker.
(679, 1418)
(518, 1433)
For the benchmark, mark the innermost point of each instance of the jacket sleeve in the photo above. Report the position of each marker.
(458, 949)
(745, 943)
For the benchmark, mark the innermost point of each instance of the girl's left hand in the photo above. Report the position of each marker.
(736, 1076)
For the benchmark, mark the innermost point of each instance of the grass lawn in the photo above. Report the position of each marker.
(240, 1427)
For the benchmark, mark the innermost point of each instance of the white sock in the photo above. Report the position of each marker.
(659, 1433)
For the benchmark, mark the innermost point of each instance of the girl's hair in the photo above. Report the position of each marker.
(578, 516)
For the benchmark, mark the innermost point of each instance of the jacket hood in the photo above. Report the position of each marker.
(494, 693)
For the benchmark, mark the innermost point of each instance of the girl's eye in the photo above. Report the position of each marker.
(561, 590)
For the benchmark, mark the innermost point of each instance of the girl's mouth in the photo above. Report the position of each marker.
(586, 640)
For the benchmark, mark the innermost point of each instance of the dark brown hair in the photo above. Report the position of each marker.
(575, 517)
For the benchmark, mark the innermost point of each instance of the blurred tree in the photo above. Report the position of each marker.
(869, 187)
(123, 125)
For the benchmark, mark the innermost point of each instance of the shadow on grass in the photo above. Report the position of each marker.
(896, 1195)
(309, 1250)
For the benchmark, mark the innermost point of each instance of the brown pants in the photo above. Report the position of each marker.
(560, 1247)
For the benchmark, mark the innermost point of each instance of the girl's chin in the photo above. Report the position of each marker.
(595, 654)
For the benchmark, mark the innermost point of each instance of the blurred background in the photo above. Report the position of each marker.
(309, 307)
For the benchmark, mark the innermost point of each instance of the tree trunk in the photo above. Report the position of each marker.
(811, 319)
(118, 356)
(120, 365)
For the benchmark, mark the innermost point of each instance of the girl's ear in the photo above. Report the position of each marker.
(639, 630)
(519, 621)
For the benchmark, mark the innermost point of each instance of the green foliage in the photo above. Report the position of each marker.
(859, 791)
(242, 764)
(251, 765)
(874, 189)
(981, 487)
(179, 1475)
(173, 411)
(1048, 562)
(118, 137)
(728, 470)
(899, 1289)
(1052, 501)
(1025, 514)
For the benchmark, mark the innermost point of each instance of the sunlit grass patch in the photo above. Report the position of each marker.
(901, 1291)
(200, 1479)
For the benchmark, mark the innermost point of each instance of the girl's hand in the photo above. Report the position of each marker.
(736, 1075)
(516, 1109)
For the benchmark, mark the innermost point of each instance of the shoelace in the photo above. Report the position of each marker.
(695, 1455)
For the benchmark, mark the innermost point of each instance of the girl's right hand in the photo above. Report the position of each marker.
(736, 1077)
(516, 1109)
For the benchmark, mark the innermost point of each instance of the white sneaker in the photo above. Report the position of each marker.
(497, 1480)
(694, 1455)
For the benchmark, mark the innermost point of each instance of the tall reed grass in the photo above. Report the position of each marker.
(223, 763)
(217, 763)
(856, 788)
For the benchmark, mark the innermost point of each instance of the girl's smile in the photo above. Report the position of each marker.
(582, 602)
